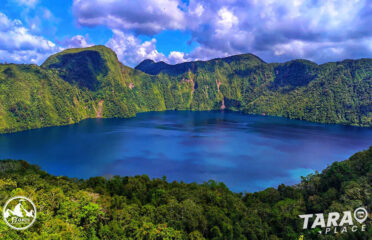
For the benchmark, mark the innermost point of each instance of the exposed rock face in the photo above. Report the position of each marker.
(223, 107)
(99, 109)
(190, 81)
(218, 84)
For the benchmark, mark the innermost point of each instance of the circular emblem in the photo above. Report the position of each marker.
(360, 215)
(19, 213)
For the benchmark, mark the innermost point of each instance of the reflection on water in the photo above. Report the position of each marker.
(247, 153)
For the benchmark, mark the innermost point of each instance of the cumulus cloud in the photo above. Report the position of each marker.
(226, 21)
(285, 29)
(274, 30)
(131, 50)
(77, 41)
(175, 57)
(277, 31)
(18, 44)
(141, 17)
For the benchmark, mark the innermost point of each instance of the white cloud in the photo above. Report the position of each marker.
(18, 45)
(226, 21)
(274, 30)
(77, 41)
(131, 50)
(206, 53)
(283, 29)
(141, 17)
(196, 10)
(175, 57)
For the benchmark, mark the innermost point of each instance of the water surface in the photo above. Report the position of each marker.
(247, 153)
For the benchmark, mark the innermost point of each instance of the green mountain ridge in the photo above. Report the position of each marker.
(154, 68)
(142, 208)
(82, 83)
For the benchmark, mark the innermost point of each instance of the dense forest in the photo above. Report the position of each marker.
(339, 92)
(151, 209)
(76, 84)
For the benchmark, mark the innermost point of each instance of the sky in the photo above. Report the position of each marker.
(176, 31)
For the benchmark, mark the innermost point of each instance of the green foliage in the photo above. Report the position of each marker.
(140, 208)
(76, 84)
(34, 98)
(338, 92)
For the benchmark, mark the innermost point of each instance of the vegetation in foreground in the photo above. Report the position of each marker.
(140, 208)
(91, 83)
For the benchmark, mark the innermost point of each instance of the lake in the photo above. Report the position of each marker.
(246, 152)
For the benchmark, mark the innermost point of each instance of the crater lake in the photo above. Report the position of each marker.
(246, 152)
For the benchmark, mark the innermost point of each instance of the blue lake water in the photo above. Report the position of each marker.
(247, 153)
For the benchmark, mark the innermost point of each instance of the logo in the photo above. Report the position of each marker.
(19, 213)
(337, 222)
(360, 215)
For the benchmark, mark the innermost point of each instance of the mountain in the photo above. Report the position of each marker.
(76, 84)
(337, 92)
(142, 208)
(153, 68)
(81, 83)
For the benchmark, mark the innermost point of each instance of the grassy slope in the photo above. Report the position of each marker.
(69, 86)
(140, 208)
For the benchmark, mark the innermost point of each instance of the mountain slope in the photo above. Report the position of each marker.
(31, 97)
(153, 68)
(82, 83)
(339, 92)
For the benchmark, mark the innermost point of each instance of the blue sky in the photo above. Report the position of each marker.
(176, 31)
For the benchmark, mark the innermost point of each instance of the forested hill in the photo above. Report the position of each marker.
(82, 83)
(151, 67)
(76, 84)
(141, 208)
(337, 92)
